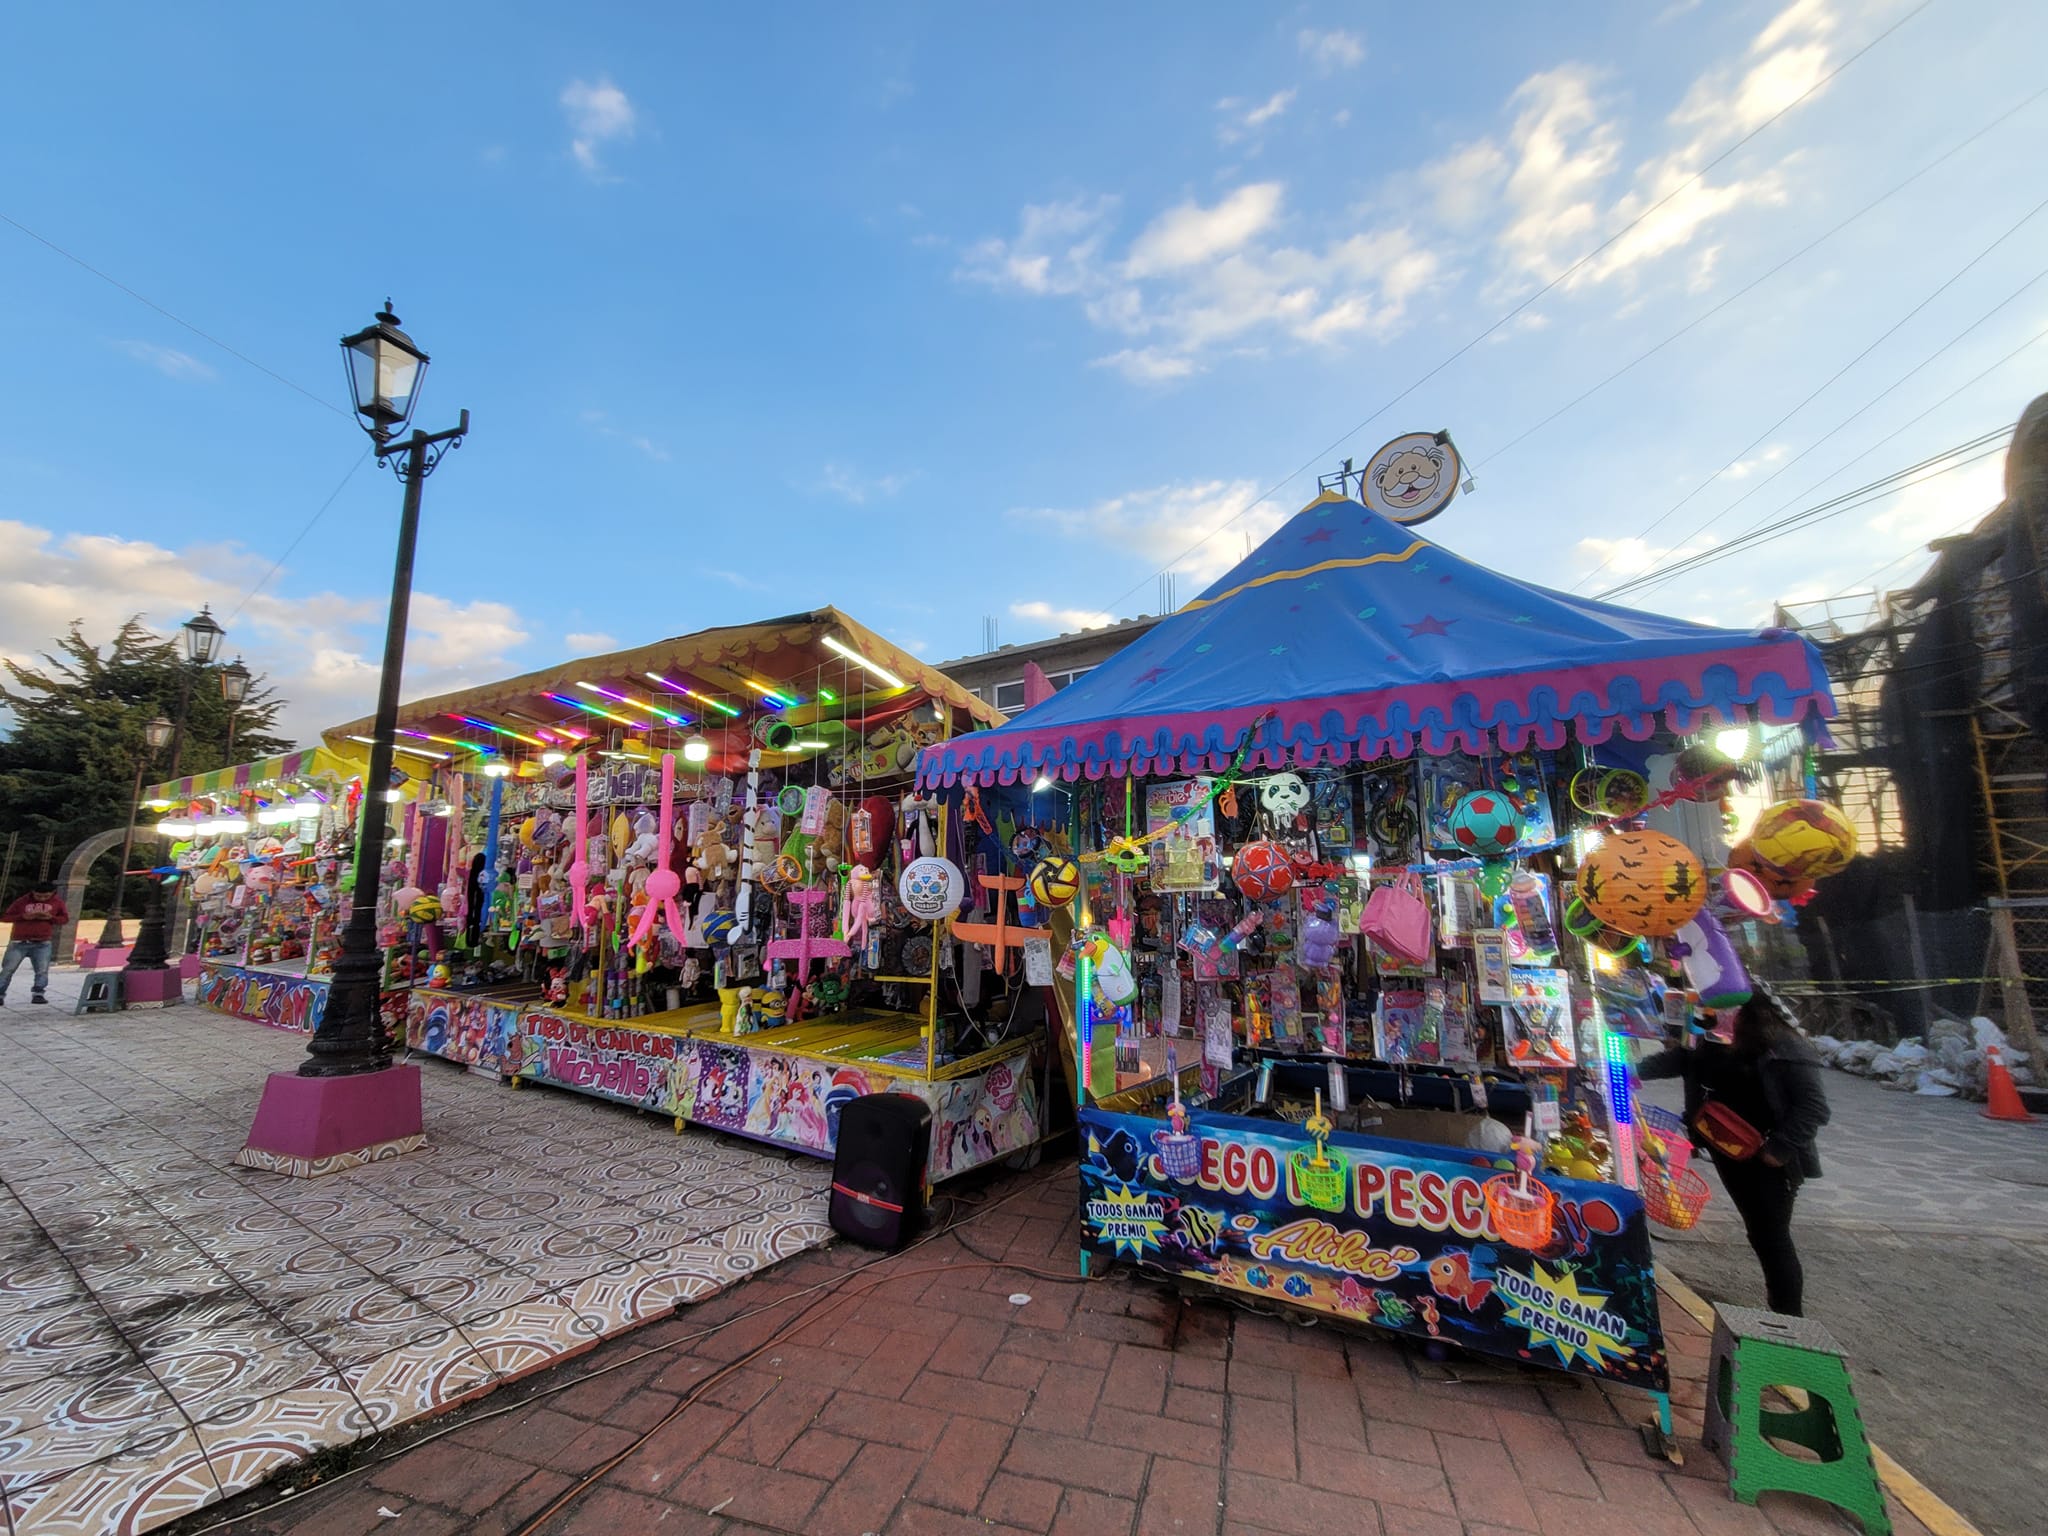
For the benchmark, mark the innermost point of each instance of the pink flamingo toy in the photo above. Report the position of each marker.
(663, 882)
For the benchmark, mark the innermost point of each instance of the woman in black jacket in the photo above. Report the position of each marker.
(1769, 1076)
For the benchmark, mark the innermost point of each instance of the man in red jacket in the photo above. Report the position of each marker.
(35, 917)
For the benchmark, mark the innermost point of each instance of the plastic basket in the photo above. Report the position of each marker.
(1521, 1219)
(1674, 1197)
(1669, 1127)
(1180, 1156)
(1324, 1188)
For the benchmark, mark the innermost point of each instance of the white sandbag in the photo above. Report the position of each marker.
(1930, 1089)
(1988, 1033)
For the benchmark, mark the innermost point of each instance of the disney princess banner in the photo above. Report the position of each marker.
(1393, 1234)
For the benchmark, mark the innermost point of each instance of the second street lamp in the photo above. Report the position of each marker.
(155, 737)
(234, 687)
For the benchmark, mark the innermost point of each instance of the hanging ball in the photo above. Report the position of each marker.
(1643, 882)
(931, 888)
(1485, 823)
(1807, 839)
(1779, 884)
(718, 928)
(663, 884)
(1262, 871)
(1055, 881)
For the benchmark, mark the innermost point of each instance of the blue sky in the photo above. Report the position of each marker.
(935, 313)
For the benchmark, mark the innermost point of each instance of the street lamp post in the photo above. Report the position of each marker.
(234, 687)
(201, 635)
(155, 736)
(385, 373)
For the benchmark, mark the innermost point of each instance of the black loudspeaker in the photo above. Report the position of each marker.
(878, 1170)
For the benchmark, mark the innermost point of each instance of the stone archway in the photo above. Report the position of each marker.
(71, 878)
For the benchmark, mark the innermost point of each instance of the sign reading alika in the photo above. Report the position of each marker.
(1397, 1236)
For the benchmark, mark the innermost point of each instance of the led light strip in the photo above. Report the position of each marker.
(603, 714)
(855, 656)
(632, 703)
(485, 725)
(701, 698)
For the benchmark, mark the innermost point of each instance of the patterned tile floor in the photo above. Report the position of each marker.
(174, 1328)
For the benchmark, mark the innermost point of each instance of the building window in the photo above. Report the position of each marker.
(1009, 697)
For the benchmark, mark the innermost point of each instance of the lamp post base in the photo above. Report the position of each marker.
(152, 989)
(310, 1126)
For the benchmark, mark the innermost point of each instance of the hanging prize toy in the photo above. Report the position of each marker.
(1318, 1177)
(664, 883)
(1180, 1155)
(1521, 1208)
(579, 848)
(860, 907)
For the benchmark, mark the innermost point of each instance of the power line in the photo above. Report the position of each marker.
(278, 564)
(146, 301)
(1990, 444)
(1848, 420)
(1826, 384)
(1983, 373)
(1749, 287)
(1540, 293)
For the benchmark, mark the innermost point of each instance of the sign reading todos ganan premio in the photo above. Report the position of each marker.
(1407, 1247)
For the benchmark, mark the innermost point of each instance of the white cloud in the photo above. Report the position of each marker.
(1466, 181)
(598, 113)
(590, 643)
(168, 361)
(1061, 620)
(320, 650)
(1147, 365)
(735, 579)
(1196, 527)
(1190, 234)
(1054, 251)
(1614, 560)
(600, 423)
(1243, 118)
(1331, 50)
(849, 484)
(1742, 469)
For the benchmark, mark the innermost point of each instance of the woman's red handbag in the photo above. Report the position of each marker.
(1727, 1132)
(1396, 918)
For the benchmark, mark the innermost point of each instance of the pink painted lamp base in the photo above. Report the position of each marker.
(310, 1126)
(151, 989)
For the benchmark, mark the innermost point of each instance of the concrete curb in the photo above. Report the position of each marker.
(1927, 1506)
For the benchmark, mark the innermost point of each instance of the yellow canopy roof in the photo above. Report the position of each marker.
(338, 765)
(733, 665)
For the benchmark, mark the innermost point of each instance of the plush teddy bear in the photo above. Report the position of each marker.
(832, 841)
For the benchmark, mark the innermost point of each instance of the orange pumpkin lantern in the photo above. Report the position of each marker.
(1643, 882)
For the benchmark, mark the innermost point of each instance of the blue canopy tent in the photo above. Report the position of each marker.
(1356, 638)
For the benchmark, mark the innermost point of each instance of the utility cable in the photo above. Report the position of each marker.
(278, 564)
(1756, 282)
(178, 320)
(1549, 287)
(1764, 436)
(1654, 577)
(1764, 533)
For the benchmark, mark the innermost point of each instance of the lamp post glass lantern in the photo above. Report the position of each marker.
(202, 635)
(385, 372)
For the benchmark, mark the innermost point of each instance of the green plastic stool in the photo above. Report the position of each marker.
(100, 994)
(1755, 1351)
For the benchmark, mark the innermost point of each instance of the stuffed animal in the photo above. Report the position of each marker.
(861, 906)
(832, 840)
(715, 858)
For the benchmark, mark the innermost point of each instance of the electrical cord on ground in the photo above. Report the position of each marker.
(1549, 287)
(1827, 383)
(975, 1209)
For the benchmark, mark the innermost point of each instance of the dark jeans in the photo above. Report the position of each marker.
(1764, 1195)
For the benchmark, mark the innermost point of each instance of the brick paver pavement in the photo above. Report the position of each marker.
(912, 1395)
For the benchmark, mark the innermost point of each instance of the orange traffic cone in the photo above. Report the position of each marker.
(1998, 1085)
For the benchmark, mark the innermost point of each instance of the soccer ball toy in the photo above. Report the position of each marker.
(1643, 882)
(1807, 839)
(1262, 871)
(1484, 823)
(1055, 881)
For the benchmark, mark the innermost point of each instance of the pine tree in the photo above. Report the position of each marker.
(67, 763)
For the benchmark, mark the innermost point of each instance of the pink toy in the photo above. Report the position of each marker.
(809, 944)
(664, 883)
(579, 852)
(861, 906)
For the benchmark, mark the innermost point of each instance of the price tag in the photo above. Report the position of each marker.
(1038, 971)
(1337, 1096)
(1549, 1115)
(1169, 994)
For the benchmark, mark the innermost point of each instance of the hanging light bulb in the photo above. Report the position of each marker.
(697, 750)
